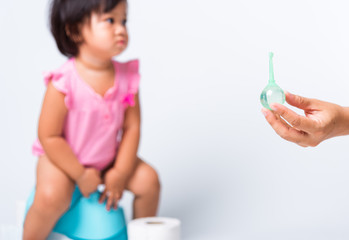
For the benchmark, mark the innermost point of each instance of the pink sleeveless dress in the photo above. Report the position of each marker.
(93, 123)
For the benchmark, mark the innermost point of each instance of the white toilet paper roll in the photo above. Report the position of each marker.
(154, 228)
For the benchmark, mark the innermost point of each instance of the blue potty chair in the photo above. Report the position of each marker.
(87, 219)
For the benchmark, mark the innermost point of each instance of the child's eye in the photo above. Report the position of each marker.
(110, 20)
(124, 22)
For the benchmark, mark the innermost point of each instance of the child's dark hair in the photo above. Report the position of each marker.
(65, 17)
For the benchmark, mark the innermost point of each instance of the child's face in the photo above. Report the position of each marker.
(106, 34)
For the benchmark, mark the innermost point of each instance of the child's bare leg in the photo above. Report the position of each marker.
(52, 198)
(145, 184)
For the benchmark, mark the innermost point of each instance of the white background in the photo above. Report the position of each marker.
(225, 173)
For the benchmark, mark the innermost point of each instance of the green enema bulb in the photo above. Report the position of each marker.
(272, 93)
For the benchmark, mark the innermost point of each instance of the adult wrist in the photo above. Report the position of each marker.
(341, 121)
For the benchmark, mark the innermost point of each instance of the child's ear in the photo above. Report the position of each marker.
(75, 37)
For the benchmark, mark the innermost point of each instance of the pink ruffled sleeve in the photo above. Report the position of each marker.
(133, 82)
(61, 83)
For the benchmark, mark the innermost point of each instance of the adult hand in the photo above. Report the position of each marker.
(322, 120)
(89, 181)
(115, 183)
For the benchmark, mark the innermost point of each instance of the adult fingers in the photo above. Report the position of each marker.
(279, 118)
(283, 129)
(298, 101)
(297, 121)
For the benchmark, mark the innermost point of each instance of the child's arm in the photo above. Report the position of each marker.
(50, 133)
(116, 177)
(322, 120)
(127, 153)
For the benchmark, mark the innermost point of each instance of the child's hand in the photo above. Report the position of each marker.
(114, 186)
(322, 120)
(89, 181)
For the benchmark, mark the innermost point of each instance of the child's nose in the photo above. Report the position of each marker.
(120, 29)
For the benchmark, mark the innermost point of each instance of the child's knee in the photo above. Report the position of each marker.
(152, 181)
(145, 181)
(47, 201)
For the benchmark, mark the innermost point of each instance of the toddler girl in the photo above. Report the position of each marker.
(89, 126)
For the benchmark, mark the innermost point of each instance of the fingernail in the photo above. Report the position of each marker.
(288, 94)
(273, 107)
